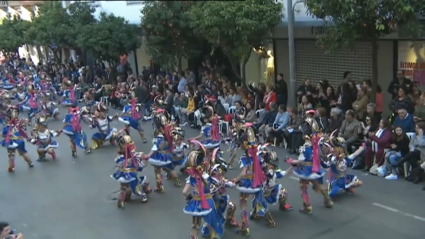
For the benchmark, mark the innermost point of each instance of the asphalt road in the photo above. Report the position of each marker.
(73, 198)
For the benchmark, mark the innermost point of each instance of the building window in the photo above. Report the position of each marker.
(132, 2)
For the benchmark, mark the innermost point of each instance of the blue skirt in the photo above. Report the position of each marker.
(135, 124)
(210, 144)
(210, 216)
(102, 136)
(16, 144)
(52, 144)
(130, 178)
(8, 86)
(246, 186)
(162, 160)
(305, 172)
(342, 183)
(68, 102)
(79, 138)
(221, 202)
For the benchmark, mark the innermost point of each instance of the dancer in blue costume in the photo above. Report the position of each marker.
(335, 158)
(43, 138)
(308, 166)
(15, 136)
(49, 106)
(200, 203)
(178, 155)
(89, 101)
(22, 97)
(4, 106)
(129, 163)
(131, 117)
(234, 144)
(160, 154)
(7, 84)
(272, 192)
(72, 128)
(68, 95)
(250, 180)
(102, 121)
(32, 103)
(210, 135)
(225, 208)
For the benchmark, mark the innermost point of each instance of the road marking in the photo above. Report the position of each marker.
(294, 178)
(398, 211)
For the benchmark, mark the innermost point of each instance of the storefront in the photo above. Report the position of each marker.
(411, 59)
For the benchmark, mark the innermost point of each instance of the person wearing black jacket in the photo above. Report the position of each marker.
(400, 81)
(281, 90)
(400, 148)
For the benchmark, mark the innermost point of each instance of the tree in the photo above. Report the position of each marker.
(168, 35)
(350, 21)
(12, 30)
(236, 27)
(81, 16)
(109, 38)
(51, 27)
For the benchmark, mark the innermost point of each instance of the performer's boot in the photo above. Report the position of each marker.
(230, 215)
(73, 149)
(41, 156)
(196, 225)
(213, 234)
(142, 136)
(269, 219)
(11, 167)
(122, 197)
(52, 153)
(177, 182)
(159, 186)
(27, 160)
(306, 199)
(282, 201)
(244, 228)
(146, 188)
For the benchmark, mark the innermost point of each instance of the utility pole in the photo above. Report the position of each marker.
(291, 47)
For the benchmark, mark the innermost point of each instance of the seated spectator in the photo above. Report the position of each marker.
(269, 97)
(360, 104)
(251, 116)
(304, 105)
(190, 109)
(261, 115)
(321, 119)
(366, 127)
(420, 109)
(292, 134)
(404, 120)
(218, 107)
(381, 140)
(235, 97)
(350, 130)
(7, 233)
(335, 121)
(227, 97)
(239, 110)
(399, 148)
(280, 123)
(417, 150)
(402, 99)
(180, 103)
(268, 122)
(371, 113)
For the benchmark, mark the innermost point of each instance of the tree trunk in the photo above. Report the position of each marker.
(243, 65)
(374, 43)
(233, 63)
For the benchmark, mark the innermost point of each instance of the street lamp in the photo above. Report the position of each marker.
(291, 46)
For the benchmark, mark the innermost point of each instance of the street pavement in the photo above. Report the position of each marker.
(74, 198)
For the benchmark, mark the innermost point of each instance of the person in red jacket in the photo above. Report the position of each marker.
(269, 97)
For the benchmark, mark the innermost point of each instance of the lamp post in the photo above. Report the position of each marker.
(291, 47)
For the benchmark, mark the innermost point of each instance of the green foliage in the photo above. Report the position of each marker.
(12, 32)
(236, 27)
(81, 15)
(351, 20)
(168, 34)
(51, 27)
(109, 38)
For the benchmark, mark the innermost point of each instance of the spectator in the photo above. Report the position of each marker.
(304, 105)
(218, 107)
(305, 89)
(258, 92)
(345, 98)
(182, 82)
(322, 119)
(235, 97)
(420, 109)
(191, 107)
(269, 97)
(350, 130)
(261, 115)
(180, 102)
(402, 99)
(292, 134)
(322, 99)
(331, 97)
(399, 82)
(379, 97)
(280, 123)
(281, 90)
(353, 90)
(371, 113)
(335, 121)
(381, 140)
(7, 233)
(404, 120)
(417, 152)
(360, 104)
(399, 148)
(169, 101)
(267, 125)
(239, 110)
(227, 97)
(250, 113)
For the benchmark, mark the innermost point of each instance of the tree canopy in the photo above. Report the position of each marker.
(176, 28)
(168, 35)
(109, 38)
(353, 20)
(12, 32)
